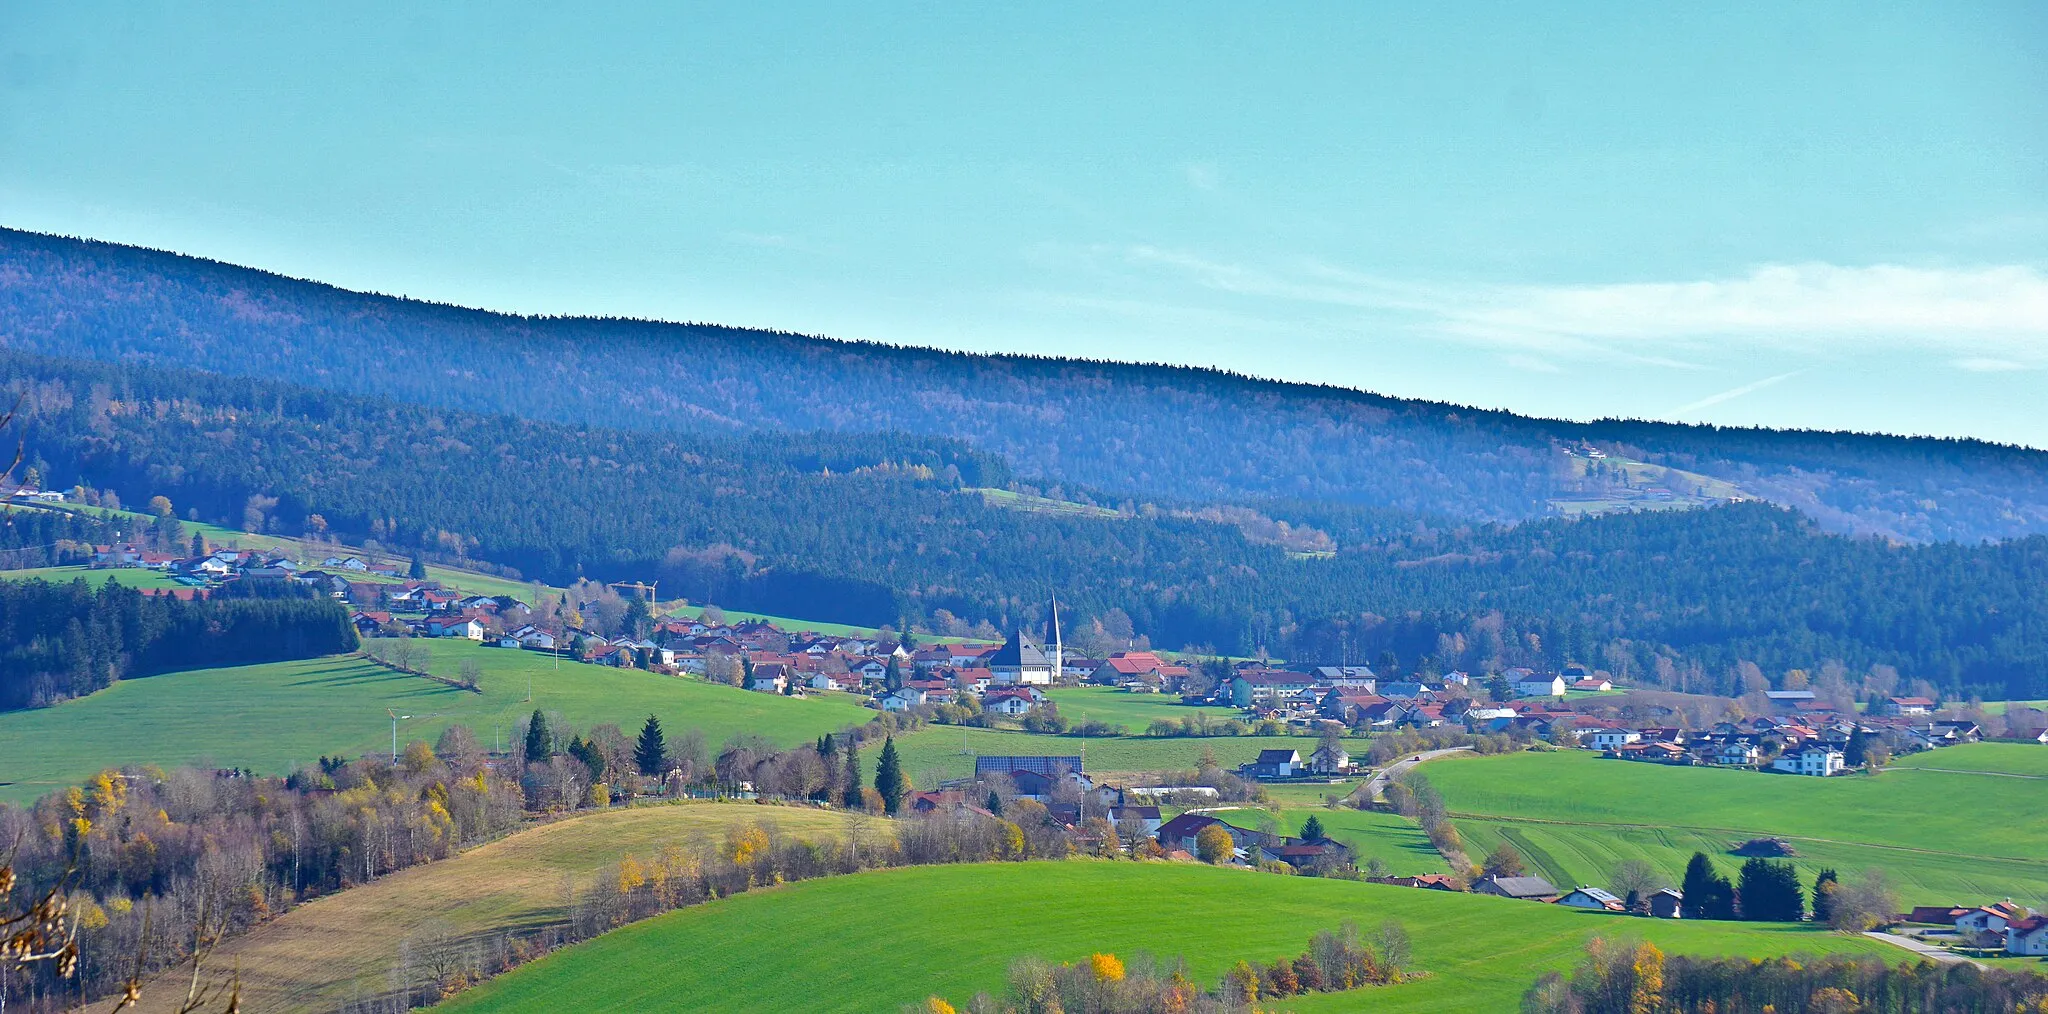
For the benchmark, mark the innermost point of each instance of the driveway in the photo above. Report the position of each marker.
(1925, 950)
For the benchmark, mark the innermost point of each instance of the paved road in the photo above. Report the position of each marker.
(1925, 950)
(1377, 783)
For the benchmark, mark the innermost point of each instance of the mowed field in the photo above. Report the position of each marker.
(873, 941)
(1940, 837)
(2025, 759)
(1135, 711)
(133, 577)
(271, 717)
(324, 952)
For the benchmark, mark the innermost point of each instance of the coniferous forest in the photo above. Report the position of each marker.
(760, 521)
(1148, 430)
(68, 640)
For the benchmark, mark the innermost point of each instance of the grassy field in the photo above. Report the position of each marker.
(1135, 711)
(1994, 758)
(133, 577)
(937, 753)
(318, 955)
(1574, 816)
(876, 940)
(269, 717)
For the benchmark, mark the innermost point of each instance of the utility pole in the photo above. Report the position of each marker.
(395, 719)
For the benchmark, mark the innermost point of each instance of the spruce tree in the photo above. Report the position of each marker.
(538, 747)
(418, 570)
(1857, 750)
(587, 752)
(1707, 894)
(995, 803)
(1824, 895)
(852, 797)
(650, 752)
(1312, 829)
(889, 777)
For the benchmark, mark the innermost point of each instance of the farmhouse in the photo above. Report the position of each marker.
(1593, 684)
(1902, 706)
(1615, 739)
(2028, 936)
(1592, 898)
(1667, 904)
(1525, 888)
(1540, 685)
(455, 626)
(1329, 760)
(1275, 764)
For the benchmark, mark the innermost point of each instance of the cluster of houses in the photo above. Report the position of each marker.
(2017, 929)
(1813, 743)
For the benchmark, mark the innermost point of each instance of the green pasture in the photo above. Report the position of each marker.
(874, 941)
(269, 717)
(133, 577)
(1134, 711)
(2029, 759)
(1574, 817)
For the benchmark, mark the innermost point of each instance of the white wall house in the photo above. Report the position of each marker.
(1615, 739)
(1540, 686)
(1821, 761)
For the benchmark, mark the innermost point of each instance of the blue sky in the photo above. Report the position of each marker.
(1811, 214)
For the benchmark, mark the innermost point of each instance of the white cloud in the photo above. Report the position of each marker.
(1987, 318)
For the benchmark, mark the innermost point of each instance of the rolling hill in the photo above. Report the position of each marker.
(874, 941)
(1134, 430)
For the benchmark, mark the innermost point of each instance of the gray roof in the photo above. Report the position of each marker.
(1019, 653)
(1595, 893)
(1278, 757)
(985, 766)
(1524, 887)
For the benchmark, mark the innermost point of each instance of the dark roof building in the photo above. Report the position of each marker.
(1003, 765)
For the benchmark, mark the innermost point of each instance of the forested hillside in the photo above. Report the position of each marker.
(1131, 429)
(881, 527)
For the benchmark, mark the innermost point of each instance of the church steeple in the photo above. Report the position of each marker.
(1052, 640)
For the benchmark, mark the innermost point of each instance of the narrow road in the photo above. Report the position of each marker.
(1374, 785)
(1925, 950)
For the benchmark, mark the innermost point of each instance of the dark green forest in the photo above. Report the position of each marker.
(1144, 430)
(877, 528)
(68, 640)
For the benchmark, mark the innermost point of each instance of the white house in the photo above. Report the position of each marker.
(1008, 702)
(1737, 753)
(1982, 920)
(1814, 760)
(1539, 685)
(1592, 898)
(1615, 739)
(461, 626)
(901, 700)
(1329, 761)
(2028, 936)
(1019, 662)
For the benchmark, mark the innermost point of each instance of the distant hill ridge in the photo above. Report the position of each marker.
(1149, 430)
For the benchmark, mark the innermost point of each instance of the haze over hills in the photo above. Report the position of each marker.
(1124, 429)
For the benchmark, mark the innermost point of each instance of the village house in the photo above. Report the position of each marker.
(455, 626)
(769, 678)
(2027, 937)
(1327, 760)
(1667, 904)
(1010, 702)
(1020, 662)
(1904, 706)
(1592, 898)
(1539, 685)
(1592, 683)
(1614, 739)
(1272, 764)
(1814, 760)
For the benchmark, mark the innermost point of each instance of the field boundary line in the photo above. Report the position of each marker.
(1460, 814)
(1964, 771)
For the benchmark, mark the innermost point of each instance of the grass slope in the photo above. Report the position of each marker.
(873, 941)
(1574, 817)
(133, 577)
(318, 955)
(1135, 711)
(2030, 759)
(268, 717)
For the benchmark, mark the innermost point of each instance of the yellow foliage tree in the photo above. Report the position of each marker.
(938, 1005)
(1649, 976)
(1106, 967)
(631, 875)
(744, 844)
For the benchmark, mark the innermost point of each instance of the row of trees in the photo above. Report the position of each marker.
(67, 640)
(1766, 891)
(1335, 960)
(1637, 978)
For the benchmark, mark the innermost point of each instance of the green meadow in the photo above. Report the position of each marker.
(133, 577)
(1133, 711)
(2030, 759)
(1938, 836)
(270, 717)
(874, 941)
